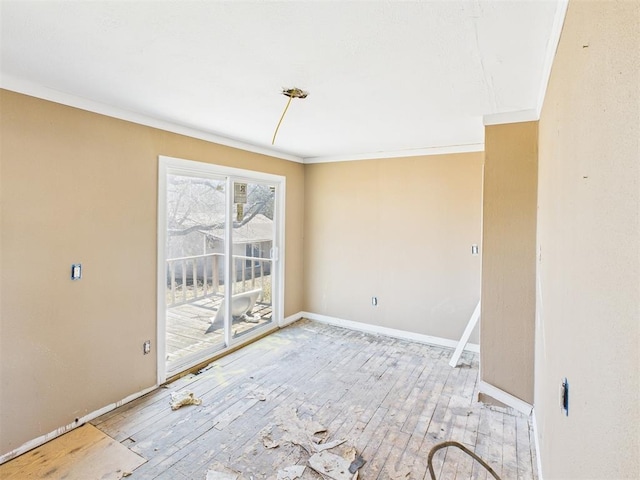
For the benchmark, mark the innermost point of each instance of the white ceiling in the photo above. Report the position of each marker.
(384, 77)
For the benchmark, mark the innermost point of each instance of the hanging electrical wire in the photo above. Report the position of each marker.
(451, 443)
(291, 93)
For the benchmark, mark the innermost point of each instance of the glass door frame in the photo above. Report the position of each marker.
(177, 166)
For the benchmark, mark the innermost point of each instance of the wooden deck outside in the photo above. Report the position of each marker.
(391, 400)
(187, 324)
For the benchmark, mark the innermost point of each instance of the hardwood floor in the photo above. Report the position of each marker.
(390, 399)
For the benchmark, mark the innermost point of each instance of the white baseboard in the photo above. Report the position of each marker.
(504, 397)
(290, 319)
(36, 442)
(537, 444)
(389, 332)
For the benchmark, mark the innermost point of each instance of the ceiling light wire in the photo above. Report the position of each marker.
(291, 93)
(273, 141)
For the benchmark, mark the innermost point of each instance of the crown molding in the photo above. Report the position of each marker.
(511, 117)
(550, 55)
(13, 84)
(418, 152)
(39, 91)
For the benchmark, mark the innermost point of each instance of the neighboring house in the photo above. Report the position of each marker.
(253, 239)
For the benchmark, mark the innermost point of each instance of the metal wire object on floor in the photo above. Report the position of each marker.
(451, 443)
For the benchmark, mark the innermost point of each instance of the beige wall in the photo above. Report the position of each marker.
(398, 229)
(508, 261)
(81, 187)
(588, 298)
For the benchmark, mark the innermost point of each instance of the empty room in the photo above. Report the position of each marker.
(320, 240)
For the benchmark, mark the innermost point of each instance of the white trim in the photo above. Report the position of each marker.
(504, 397)
(537, 444)
(417, 152)
(550, 55)
(291, 319)
(390, 332)
(279, 242)
(511, 117)
(464, 339)
(161, 281)
(201, 169)
(228, 262)
(191, 167)
(36, 442)
(13, 84)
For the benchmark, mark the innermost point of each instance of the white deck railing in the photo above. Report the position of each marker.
(200, 276)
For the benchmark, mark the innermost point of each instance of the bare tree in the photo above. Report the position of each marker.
(197, 204)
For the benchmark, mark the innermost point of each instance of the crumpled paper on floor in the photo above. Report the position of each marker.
(291, 473)
(182, 398)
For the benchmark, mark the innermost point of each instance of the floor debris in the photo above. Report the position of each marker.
(356, 464)
(321, 447)
(306, 433)
(311, 437)
(215, 475)
(183, 397)
(291, 473)
(331, 466)
(218, 471)
(260, 396)
(269, 442)
(350, 454)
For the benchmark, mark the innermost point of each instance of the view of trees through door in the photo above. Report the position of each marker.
(220, 235)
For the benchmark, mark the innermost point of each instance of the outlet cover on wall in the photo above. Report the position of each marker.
(564, 396)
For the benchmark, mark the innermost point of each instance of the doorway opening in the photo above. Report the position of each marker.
(220, 240)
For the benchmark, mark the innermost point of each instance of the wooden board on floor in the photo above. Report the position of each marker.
(80, 454)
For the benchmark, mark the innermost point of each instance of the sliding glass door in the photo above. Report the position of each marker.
(219, 242)
(252, 257)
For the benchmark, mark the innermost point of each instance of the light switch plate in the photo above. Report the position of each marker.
(76, 271)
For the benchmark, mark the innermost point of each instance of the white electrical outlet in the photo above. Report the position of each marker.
(146, 347)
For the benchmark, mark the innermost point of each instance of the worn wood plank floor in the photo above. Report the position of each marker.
(391, 399)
